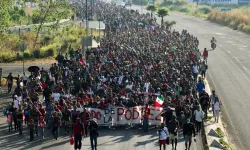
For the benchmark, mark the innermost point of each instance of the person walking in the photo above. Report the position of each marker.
(9, 120)
(20, 119)
(199, 116)
(41, 126)
(212, 99)
(173, 127)
(163, 135)
(10, 82)
(93, 126)
(217, 109)
(188, 130)
(85, 118)
(145, 118)
(78, 131)
(55, 125)
(31, 125)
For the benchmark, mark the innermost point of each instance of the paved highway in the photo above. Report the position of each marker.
(228, 72)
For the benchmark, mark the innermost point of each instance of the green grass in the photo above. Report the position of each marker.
(225, 144)
(50, 43)
(208, 118)
(220, 132)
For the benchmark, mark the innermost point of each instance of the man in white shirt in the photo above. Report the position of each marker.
(16, 102)
(56, 96)
(163, 135)
(195, 71)
(25, 79)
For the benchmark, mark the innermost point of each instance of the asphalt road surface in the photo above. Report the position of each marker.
(228, 72)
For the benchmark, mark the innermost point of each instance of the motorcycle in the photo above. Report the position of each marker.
(213, 45)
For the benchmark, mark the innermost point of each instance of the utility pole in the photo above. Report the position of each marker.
(86, 17)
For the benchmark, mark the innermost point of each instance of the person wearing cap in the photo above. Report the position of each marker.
(188, 130)
(78, 132)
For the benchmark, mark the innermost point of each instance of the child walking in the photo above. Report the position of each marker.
(9, 120)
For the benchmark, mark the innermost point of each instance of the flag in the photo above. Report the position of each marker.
(159, 101)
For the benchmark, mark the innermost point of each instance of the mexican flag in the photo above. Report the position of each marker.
(159, 101)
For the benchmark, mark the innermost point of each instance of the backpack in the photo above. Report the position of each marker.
(26, 112)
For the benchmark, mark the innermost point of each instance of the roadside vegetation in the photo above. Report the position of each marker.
(220, 132)
(42, 41)
(238, 18)
(225, 144)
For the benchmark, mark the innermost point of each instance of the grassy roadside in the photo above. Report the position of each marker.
(238, 18)
(50, 44)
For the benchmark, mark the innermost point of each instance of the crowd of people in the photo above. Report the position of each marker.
(137, 60)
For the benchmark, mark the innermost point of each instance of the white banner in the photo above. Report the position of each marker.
(123, 116)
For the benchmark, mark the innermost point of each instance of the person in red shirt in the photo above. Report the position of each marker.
(41, 111)
(78, 131)
(85, 118)
(205, 54)
(145, 119)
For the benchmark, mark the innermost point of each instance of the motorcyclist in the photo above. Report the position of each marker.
(213, 40)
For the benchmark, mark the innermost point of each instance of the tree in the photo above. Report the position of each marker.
(51, 11)
(4, 13)
(169, 24)
(152, 8)
(162, 12)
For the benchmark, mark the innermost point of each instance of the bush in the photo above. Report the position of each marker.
(205, 9)
(27, 54)
(184, 9)
(37, 53)
(246, 28)
(6, 56)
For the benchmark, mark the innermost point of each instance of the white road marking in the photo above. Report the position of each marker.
(244, 46)
(237, 59)
(229, 52)
(245, 68)
(219, 45)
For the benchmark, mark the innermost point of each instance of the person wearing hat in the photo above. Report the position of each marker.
(188, 130)
(78, 132)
